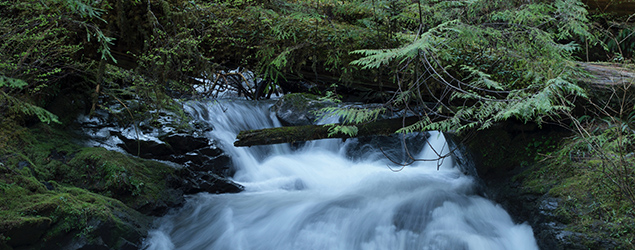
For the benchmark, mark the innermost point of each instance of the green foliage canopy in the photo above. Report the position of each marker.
(481, 62)
(39, 48)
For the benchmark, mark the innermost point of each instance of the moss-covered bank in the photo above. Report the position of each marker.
(55, 193)
(573, 195)
(594, 186)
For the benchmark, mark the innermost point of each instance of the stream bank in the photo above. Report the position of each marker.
(544, 176)
(66, 195)
(86, 184)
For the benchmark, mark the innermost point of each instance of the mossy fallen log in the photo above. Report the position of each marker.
(607, 75)
(315, 132)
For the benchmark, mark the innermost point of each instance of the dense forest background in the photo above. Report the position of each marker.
(462, 66)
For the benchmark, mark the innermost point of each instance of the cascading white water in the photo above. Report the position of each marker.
(317, 197)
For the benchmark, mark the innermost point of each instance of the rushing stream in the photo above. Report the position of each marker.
(319, 196)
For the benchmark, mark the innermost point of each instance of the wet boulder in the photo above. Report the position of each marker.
(198, 154)
(124, 233)
(166, 136)
(299, 109)
(27, 232)
(191, 182)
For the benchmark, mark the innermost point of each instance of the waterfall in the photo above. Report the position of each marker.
(320, 196)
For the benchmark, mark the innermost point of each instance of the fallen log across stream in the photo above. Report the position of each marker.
(315, 132)
(605, 80)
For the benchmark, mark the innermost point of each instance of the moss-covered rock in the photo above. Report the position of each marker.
(591, 176)
(299, 109)
(501, 154)
(32, 215)
(66, 216)
(554, 181)
(55, 193)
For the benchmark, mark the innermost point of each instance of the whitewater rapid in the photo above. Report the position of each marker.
(331, 195)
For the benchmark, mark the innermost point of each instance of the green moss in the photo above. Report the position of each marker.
(50, 214)
(76, 208)
(134, 181)
(52, 187)
(299, 99)
(591, 187)
(52, 156)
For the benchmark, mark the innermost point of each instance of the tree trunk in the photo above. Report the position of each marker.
(316, 132)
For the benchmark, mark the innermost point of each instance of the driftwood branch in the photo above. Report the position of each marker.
(316, 132)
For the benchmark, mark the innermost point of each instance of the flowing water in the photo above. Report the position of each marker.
(331, 195)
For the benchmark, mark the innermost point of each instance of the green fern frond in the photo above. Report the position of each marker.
(574, 21)
(529, 15)
(540, 104)
(352, 115)
(567, 87)
(84, 9)
(418, 126)
(12, 82)
(481, 79)
(350, 130)
(427, 42)
(19, 106)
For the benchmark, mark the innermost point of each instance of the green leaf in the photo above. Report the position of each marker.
(26, 108)
(349, 130)
(12, 82)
